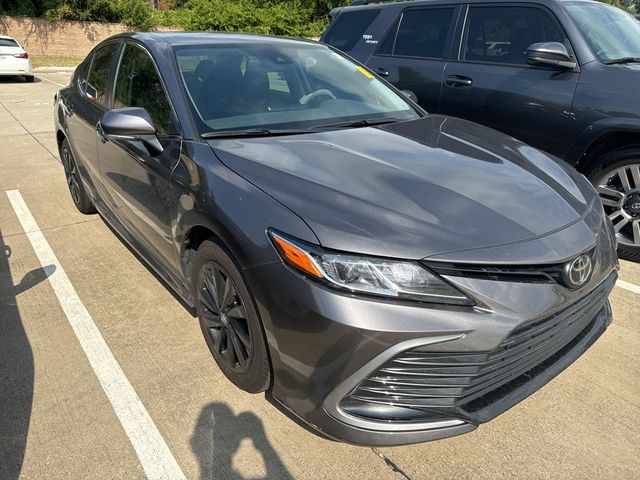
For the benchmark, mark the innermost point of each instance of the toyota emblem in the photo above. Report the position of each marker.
(577, 272)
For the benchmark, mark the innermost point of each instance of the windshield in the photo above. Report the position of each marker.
(612, 33)
(282, 85)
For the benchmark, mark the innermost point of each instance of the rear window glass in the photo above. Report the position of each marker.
(96, 87)
(8, 42)
(423, 33)
(349, 27)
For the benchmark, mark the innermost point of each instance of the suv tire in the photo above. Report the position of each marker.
(616, 176)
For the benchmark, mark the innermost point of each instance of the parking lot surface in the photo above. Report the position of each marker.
(72, 407)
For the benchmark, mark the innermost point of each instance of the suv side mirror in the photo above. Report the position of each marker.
(132, 124)
(552, 54)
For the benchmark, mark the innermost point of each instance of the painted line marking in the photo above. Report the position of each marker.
(51, 81)
(155, 457)
(628, 286)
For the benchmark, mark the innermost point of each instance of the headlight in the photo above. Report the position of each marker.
(373, 276)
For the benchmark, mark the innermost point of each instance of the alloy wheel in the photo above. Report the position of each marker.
(72, 175)
(225, 317)
(619, 191)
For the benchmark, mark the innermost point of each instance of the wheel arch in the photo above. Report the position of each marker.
(600, 138)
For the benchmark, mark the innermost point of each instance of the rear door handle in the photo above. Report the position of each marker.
(383, 72)
(458, 81)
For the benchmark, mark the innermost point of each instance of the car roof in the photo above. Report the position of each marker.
(396, 3)
(200, 38)
(7, 37)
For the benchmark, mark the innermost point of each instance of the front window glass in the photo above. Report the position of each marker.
(611, 33)
(282, 86)
(503, 34)
(139, 85)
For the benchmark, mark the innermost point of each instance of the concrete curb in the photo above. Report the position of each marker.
(54, 69)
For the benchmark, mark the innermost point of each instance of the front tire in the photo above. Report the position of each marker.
(616, 177)
(76, 188)
(229, 320)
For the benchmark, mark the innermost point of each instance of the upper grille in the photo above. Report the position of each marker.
(446, 381)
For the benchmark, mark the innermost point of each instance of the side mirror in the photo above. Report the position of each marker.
(131, 124)
(553, 54)
(410, 95)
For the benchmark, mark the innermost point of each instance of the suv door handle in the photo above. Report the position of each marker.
(383, 72)
(458, 81)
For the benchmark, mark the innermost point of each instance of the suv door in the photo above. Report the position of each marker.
(84, 108)
(491, 83)
(414, 51)
(139, 179)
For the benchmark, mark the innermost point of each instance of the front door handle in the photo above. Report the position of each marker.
(456, 81)
(383, 72)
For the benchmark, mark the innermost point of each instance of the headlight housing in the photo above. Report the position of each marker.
(368, 275)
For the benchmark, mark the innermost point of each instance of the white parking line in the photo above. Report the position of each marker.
(51, 81)
(157, 460)
(628, 286)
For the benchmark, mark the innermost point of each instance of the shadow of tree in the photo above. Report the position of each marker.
(16, 367)
(218, 436)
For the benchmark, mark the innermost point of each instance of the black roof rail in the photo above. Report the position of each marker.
(367, 2)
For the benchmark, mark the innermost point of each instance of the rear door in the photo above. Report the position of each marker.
(491, 83)
(414, 51)
(85, 105)
(138, 179)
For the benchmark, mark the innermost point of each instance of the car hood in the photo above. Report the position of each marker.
(413, 189)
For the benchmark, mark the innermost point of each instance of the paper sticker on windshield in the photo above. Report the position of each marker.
(364, 71)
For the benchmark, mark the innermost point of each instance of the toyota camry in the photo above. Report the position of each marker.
(386, 275)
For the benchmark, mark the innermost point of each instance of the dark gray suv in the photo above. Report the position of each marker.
(559, 75)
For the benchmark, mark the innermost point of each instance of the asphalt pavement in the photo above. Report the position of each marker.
(104, 374)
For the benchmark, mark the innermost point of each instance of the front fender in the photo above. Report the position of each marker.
(595, 131)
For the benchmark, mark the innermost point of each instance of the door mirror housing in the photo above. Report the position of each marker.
(410, 95)
(552, 54)
(131, 123)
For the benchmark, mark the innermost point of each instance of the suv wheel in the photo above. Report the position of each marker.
(617, 180)
(229, 320)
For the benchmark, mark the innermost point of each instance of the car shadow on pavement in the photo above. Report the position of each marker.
(16, 367)
(17, 79)
(216, 442)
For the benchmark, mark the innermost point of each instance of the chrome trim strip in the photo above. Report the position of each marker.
(331, 403)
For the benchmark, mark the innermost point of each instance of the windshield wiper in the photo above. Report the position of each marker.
(357, 123)
(251, 132)
(622, 60)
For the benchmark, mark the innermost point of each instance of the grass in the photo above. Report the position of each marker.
(54, 61)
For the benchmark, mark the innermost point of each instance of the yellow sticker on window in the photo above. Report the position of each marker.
(364, 71)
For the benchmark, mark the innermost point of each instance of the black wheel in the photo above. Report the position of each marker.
(29, 78)
(229, 319)
(76, 188)
(617, 180)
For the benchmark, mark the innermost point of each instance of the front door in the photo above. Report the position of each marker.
(492, 84)
(138, 179)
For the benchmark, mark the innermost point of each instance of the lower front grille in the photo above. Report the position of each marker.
(446, 384)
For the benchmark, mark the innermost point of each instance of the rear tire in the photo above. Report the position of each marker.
(616, 176)
(229, 320)
(29, 78)
(76, 188)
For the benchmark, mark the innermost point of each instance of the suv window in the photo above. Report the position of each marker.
(138, 85)
(349, 28)
(423, 33)
(96, 86)
(8, 42)
(503, 34)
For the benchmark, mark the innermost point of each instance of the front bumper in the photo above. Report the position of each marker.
(324, 345)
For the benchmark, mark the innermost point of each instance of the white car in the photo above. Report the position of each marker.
(14, 60)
